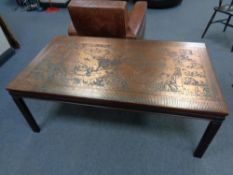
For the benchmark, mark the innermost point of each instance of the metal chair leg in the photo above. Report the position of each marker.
(228, 20)
(209, 23)
(232, 49)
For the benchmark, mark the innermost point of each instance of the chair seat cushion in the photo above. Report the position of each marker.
(225, 9)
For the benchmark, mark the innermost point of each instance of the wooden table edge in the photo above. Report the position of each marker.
(119, 105)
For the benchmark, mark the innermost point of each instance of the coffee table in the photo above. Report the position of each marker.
(153, 76)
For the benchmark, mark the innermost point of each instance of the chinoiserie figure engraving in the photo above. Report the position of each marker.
(99, 66)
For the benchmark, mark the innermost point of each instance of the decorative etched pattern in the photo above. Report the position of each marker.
(178, 71)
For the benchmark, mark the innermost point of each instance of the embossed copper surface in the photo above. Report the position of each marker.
(160, 75)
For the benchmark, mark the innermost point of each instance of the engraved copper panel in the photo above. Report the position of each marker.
(175, 75)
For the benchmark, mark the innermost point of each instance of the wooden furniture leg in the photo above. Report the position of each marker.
(207, 138)
(26, 113)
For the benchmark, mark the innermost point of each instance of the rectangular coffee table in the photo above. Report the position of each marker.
(154, 76)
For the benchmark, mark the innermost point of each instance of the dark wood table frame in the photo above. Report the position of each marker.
(206, 139)
(215, 111)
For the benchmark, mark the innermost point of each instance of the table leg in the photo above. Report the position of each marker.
(207, 138)
(26, 113)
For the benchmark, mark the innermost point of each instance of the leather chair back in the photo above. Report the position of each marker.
(99, 18)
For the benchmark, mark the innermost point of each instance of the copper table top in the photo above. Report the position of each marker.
(163, 76)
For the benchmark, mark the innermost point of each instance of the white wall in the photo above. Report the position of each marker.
(4, 44)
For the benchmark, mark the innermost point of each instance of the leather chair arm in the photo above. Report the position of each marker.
(71, 30)
(136, 22)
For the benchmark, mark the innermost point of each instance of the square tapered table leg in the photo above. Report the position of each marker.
(207, 137)
(26, 113)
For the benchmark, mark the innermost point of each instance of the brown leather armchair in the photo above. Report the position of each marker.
(107, 19)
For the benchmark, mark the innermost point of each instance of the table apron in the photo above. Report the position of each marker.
(120, 105)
